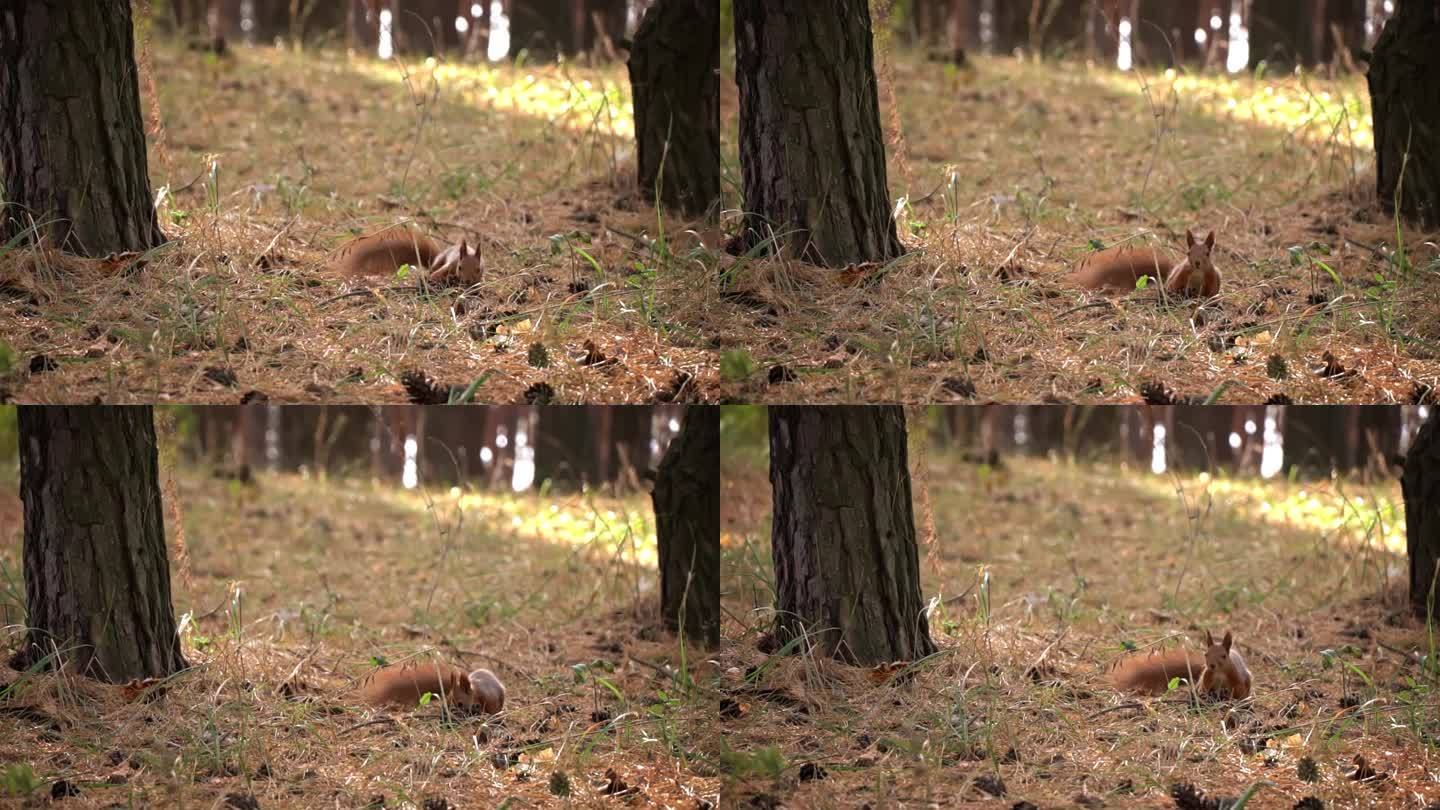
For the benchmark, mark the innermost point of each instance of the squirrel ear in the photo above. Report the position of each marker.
(1189, 238)
(1226, 642)
(1210, 240)
(1209, 639)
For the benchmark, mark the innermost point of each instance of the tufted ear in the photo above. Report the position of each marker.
(1226, 642)
(1210, 240)
(1189, 238)
(1209, 639)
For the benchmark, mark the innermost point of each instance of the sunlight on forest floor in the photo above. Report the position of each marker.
(1039, 575)
(579, 104)
(1309, 107)
(291, 590)
(622, 528)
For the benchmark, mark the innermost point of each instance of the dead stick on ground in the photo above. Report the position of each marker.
(1131, 704)
(284, 229)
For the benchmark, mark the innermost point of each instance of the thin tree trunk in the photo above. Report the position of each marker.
(812, 152)
(1421, 486)
(847, 569)
(562, 452)
(675, 78)
(1405, 97)
(687, 526)
(97, 580)
(72, 138)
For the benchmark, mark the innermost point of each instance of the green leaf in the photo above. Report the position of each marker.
(468, 394)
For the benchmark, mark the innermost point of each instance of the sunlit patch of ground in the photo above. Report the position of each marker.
(1009, 173)
(266, 161)
(290, 590)
(1042, 572)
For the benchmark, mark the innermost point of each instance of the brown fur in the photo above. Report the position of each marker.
(403, 686)
(1121, 267)
(382, 254)
(1220, 668)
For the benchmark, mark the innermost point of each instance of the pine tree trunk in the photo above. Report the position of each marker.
(1421, 485)
(562, 448)
(687, 526)
(97, 580)
(847, 570)
(1405, 99)
(812, 152)
(72, 138)
(541, 27)
(675, 79)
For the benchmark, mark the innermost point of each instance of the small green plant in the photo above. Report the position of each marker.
(767, 762)
(19, 779)
(560, 784)
(7, 357)
(736, 366)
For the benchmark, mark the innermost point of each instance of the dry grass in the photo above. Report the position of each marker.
(1010, 172)
(1081, 559)
(551, 594)
(269, 160)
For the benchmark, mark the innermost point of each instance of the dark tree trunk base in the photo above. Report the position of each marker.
(687, 522)
(675, 78)
(847, 567)
(1421, 485)
(72, 138)
(1404, 83)
(812, 151)
(97, 578)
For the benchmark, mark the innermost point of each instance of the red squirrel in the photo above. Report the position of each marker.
(1220, 670)
(404, 684)
(382, 253)
(1121, 267)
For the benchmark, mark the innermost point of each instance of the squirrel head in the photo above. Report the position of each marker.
(485, 690)
(1217, 654)
(1199, 252)
(459, 262)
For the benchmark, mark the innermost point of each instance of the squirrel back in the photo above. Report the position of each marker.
(1220, 668)
(1120, 267)
(403, 685)
(382, 253)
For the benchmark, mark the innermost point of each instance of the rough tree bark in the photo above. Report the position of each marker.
(1405, 100)
(847, 569)
(1421, 486)
(812, 152)
(687, 526)
(675, 79)
(97, 580)
(72, 140)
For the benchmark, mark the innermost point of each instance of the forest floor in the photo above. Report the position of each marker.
(289, 592)
(1008, 173)
(265, 161)
(1040, 574)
